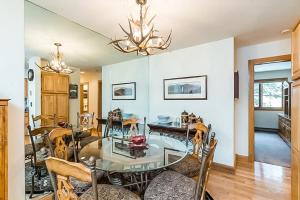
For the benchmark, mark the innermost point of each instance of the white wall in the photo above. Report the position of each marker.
(12, 87)
(267, 118)
(130, 71)
(216, 60)
(34, 89)
(244, 54)
(74, 104)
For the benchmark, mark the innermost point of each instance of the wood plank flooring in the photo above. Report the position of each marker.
(258, 181)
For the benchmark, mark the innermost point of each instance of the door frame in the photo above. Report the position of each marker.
(251, 64)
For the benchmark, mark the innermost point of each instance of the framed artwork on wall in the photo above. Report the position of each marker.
(186, 88)
(73, 91)
(124, 91)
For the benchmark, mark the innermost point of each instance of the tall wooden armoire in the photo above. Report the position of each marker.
(296, 114)
(55, 96)
(3, 148)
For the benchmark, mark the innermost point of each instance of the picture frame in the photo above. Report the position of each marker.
(185, 88)
(124, 91)
(73, 91)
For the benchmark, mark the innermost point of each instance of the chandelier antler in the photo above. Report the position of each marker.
(141, 38)
(57, 64)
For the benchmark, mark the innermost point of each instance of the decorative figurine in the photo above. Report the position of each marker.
(184, 118)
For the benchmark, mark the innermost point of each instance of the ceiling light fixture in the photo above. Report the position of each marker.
(57, 64)
(141, 37)
(285, 31)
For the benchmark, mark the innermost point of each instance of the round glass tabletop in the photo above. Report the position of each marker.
(114, 155)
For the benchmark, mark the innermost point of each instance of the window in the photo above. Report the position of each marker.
(268, 94)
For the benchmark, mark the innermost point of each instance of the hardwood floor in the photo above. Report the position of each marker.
(258, 181)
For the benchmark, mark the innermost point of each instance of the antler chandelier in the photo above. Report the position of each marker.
(56, 64)
(141, 37)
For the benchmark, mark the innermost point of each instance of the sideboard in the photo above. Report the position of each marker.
(284, 125)
(3, 148)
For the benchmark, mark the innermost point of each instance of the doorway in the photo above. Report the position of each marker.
(269, 110)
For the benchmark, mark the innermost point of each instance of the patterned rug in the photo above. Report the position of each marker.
(44, 184)
(41, 185)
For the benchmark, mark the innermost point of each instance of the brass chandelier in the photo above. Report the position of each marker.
(141, 37)
(56, 64)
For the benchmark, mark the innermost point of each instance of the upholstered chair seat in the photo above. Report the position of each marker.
(189, 166)
(171, 185)
(29, 148)
(109, 192)
(85, 141)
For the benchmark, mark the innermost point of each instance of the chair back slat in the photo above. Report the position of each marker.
(197, 140)
(44, 120)
(206, 161)
(85, 119)
(60, 172)
(41, 132)
(60, 149)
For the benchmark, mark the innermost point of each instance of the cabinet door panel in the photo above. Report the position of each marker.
(296, 115)
(48, 82)
(296, 53)
(62, 110)
(295, 178)
(48, 107)
(62, 84)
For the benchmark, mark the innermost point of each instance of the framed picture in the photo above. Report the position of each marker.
(73, 91)
(124, 91)
(186, 88)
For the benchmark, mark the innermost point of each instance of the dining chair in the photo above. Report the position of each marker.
(61, 171)
(85, 119)
(176, 186)
(40, 151)
(85, 124)
(190, 165)
(45, 120)
(62, 144)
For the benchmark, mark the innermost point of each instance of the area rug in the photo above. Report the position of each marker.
(41, 185)
(271, 149)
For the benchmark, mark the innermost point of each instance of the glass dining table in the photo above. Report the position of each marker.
(114, 155)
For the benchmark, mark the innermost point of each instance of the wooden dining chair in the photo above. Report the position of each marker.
(61, 171)
(85, 119)
(62, 144)
(190, 165)
(45, 120)
(39, 151)
(176, 186)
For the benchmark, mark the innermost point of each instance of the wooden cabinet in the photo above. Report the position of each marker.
(284, 125)
(26, 122)
(3, 148)
(55, 96)
(25, 87)
(295, 139)
(296, 53)
(295, 178)
(55, 83)
(62, 112)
